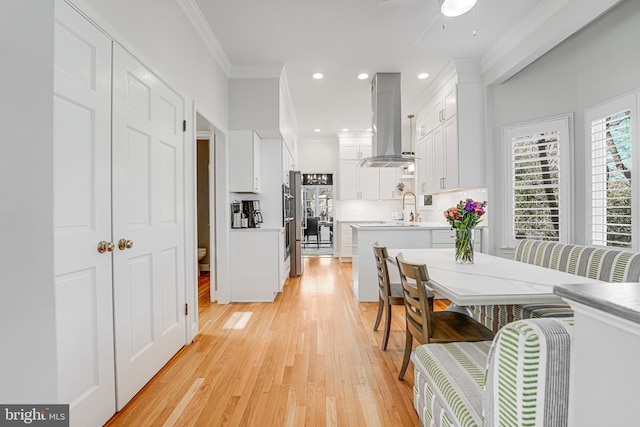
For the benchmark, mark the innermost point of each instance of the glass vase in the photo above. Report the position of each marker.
(464, 246)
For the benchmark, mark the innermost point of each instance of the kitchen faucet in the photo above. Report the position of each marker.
(415, 204)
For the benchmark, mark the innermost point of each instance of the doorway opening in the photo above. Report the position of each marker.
(203, 203)
(205, 215)
(318, 207)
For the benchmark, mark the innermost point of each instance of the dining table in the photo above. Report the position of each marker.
(490, 279)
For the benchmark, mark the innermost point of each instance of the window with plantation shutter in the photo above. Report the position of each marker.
(538, 199)
(610, 130)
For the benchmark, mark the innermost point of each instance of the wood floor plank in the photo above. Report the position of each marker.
(310, 358)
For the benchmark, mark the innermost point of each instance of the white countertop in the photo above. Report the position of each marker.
(401, 225)
(258, 229)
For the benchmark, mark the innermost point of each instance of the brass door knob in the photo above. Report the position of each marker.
(104, 246)
(125, 244)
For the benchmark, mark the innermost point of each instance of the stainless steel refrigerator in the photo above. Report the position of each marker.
(295, 230)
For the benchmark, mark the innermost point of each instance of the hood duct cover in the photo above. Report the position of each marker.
(386, 123)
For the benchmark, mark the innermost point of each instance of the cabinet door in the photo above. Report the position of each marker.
(365, 151)
(449, 103)
(348, 179)
(346, 244)
(450, 133)
(434, 117)
(389, 180)
(424, 166)
(438, 164)
(369, 183)
(257, 162)
(244, 162)
(349, 151)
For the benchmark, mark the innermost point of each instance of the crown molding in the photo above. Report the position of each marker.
(204, 30)
(547, 25)
(516, 35)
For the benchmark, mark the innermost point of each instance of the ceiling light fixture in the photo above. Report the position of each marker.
(452, 8)
(316, 130)
(345, 130)
(363, 76)
(423, 76)
(317, 76)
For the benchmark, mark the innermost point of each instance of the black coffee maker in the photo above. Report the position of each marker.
(251, 209)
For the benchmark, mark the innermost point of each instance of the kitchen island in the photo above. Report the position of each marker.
(400, 234)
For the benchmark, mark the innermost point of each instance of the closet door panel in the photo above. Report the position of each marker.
(82, 218)
(149, 284)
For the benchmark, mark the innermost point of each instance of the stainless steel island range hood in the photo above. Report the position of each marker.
(387, 124)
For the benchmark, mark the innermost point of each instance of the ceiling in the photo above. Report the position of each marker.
(342, 38)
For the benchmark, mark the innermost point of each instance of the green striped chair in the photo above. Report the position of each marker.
(520, 379)
(604, 264)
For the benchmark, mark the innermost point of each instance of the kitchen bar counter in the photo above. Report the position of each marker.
(421, 235)
(401, 224)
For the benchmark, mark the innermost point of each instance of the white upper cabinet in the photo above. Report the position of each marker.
(356, 182)
(245, 171)
(389, 180)
(424, 168)
(450, 134)
(445, 157)
(359, 148)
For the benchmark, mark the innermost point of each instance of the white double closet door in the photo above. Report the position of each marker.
(118, 179)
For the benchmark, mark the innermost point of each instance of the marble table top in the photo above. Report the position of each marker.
(491, 279)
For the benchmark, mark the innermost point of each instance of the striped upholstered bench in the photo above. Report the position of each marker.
(519, 379)
(604, 264)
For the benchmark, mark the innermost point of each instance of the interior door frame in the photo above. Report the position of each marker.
(219, 216)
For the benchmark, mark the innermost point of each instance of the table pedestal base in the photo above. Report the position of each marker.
(461, 309)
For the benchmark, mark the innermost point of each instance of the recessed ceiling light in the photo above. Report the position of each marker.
(345, 130)
(363, 76)
(369, 130)
(316, 130)
(317, 76)
(423, 76)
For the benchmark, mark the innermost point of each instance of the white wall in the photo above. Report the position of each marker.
(318, 155)
(596, 64)
(160, 35)
(28, 367)
(254, 104)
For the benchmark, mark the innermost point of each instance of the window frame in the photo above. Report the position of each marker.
(625, 102)
(563, 124)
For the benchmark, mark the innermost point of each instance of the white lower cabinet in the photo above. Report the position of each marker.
(346, 246)
(255, 264)
(447, 239)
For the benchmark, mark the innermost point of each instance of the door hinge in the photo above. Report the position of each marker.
(186, 309)
(184, 126)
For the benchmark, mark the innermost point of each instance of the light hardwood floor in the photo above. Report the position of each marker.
(311, 358)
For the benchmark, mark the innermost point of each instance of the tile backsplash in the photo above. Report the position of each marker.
(382, 210)
(442, 201)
